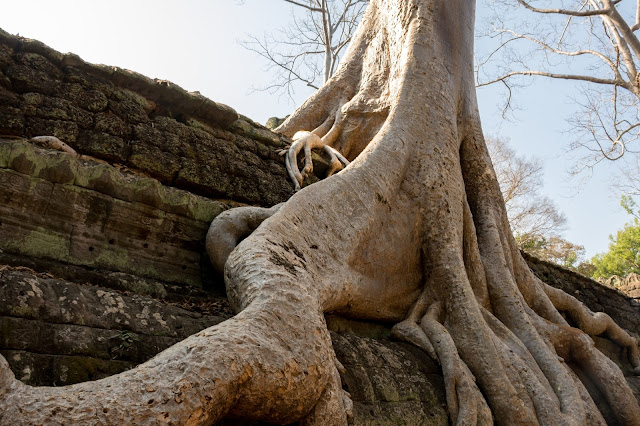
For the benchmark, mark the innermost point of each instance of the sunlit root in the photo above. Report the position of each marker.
(409, 331)
(229, 228)
(465, 402)
(576, 347)
(53, 142)
(594, 324)
(321, 137)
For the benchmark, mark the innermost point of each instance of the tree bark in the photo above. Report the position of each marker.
(413, 231)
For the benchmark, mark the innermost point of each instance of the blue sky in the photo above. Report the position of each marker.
(194, 43)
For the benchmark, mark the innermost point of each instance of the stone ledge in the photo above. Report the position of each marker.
(25, 295)
(118, 182)
(174, 99)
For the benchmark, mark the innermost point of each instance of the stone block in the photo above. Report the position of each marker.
(102, 145)
(66, 131)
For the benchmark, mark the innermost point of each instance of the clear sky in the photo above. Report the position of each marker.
(194, 43)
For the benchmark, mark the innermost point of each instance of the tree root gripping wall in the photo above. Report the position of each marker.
(131, 213)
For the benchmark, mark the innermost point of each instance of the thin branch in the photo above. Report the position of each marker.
(564, 11)
(608, 61)
(306, 6)
(636, 26)
(587, 78)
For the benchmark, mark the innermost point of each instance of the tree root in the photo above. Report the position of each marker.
(321, 137)
(230, 227)
(53, 142)
(594, 324)
(465, 402)
(574, 345)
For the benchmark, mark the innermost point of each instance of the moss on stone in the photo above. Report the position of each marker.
(23, 311)
(5, 153)
(55, 166)
(41, 242)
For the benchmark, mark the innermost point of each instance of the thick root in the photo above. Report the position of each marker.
(594, 324)
(409, 331)
(229, 228)
(465, 402)
(575, 346)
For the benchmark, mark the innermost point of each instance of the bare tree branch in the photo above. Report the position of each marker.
(589, 41)
(309, 49)
(306, 6)
(587, 78)
(563, 11)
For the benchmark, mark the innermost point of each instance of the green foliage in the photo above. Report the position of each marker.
(623, 256)
(552, 249)
(629, 205)
(125, 340)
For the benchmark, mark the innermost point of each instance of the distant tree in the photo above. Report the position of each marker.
(531, 214)
(629, 205)
(308, 50)
(590, 41)
(556, 250)
(585, 268)
(535, 220)
(623, 257)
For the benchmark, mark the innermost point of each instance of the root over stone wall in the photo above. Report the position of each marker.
(101, 255)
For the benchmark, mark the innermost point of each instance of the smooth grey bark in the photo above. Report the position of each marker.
(413, 231)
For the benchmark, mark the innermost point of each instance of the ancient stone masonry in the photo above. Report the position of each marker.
(84, 212)
(182, 139)
(163, 150)
(57, 333)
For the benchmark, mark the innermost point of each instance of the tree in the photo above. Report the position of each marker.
(308, 50)
(623, 257)
(589, 41)
(530, 213)
(413, 231)
(535, 220)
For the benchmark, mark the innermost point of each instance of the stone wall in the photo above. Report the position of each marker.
(55, 333)
(182, 139)
(156, 165)
(624, 310)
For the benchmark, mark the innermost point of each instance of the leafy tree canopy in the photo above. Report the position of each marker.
(623, 256)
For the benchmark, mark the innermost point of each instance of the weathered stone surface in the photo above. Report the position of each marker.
(390, 383)
(26, 295)
(56, 333)
(79, 211)
(182, 139)
(59, 370)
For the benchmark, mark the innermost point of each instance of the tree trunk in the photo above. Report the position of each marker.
(414, 231)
